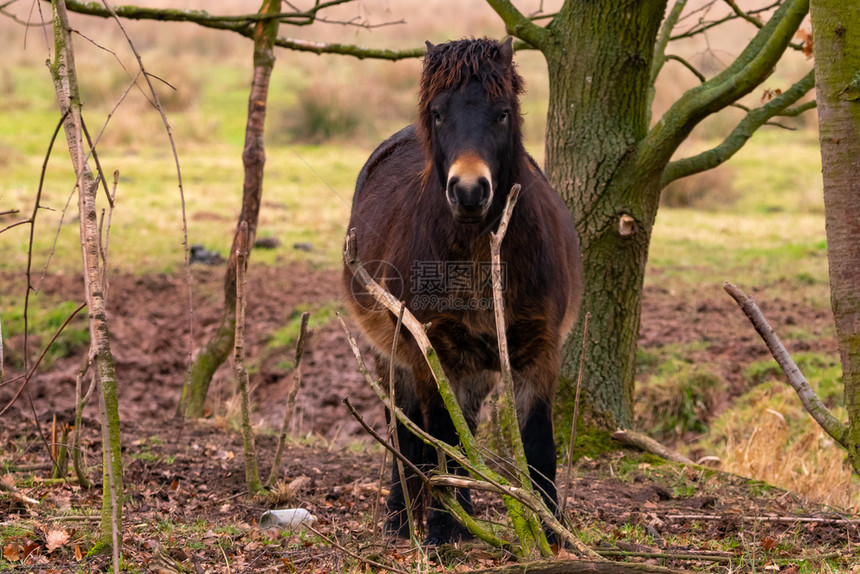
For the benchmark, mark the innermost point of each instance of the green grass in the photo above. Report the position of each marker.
(824, 373)
(768, 232)
(46, 315)
(283, 341)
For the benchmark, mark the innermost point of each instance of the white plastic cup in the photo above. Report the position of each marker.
(286, 518)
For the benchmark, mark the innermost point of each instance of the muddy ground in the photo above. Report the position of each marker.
(185, 483)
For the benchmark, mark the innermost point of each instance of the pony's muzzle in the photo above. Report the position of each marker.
(470, 189)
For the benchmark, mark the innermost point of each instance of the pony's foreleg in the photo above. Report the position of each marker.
(441, 525)
(534, 384)
(539, 446)
(397, 523)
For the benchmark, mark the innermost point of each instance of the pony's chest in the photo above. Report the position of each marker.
(466, 342)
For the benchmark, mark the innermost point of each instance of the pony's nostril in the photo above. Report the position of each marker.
(452, 189)
(485, 189)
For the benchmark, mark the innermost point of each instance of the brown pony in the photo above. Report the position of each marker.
(425, 203)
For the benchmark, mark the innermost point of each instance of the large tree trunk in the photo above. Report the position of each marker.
(836, 33)
(219, 346)
(598, 108)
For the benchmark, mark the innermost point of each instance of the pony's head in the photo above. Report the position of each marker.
(469, 120)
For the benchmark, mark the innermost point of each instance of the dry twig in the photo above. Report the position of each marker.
(813, 405)
(291, 399)
(569, 467)
(648, 444)
(8, 485)
(252, 477)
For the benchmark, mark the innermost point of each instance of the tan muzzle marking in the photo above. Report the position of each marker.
(469, 168)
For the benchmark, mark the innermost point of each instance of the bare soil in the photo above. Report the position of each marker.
(186, 499)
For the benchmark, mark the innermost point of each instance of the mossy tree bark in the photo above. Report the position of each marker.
(68, 98)
(597, 117)
(836, 33)
(610, 167)
(219, 346)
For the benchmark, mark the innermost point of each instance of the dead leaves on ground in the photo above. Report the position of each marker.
(35, 549)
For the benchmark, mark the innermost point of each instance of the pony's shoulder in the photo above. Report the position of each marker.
(406, 136)
(535, 167)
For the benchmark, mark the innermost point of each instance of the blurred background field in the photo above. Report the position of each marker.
(757, 221)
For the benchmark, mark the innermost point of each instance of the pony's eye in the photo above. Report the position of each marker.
(503, 117)
(436, 117)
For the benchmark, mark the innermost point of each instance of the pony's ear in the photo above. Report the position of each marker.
(506, 54)
(429, 45)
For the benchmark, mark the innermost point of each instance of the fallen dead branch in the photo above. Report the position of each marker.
(813, 405)
(648, 444)
(7, 485)
(577, 567)
(772, 519)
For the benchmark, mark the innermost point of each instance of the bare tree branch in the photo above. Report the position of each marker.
(66, 86)
(704, 25)
(348, 50)
(35, 366)
(663, 39)
(752, 66)
(813, 405)
(797, 110)
(754, 119)
(109, 12)
(245, 25)
(687, 65)
(517, 24)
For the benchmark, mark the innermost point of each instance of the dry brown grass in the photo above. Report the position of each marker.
(805, 462)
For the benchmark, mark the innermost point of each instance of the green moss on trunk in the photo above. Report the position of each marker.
(598, 113)
(836, 31)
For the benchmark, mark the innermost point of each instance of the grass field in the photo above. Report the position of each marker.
(757, 221)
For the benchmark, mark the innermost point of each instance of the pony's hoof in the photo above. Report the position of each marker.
(457, 533)
(395, 528)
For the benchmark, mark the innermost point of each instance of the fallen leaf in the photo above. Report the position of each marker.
(12, 552)
(55, 539)
(78, 554)
(768, 544)
(565, 555)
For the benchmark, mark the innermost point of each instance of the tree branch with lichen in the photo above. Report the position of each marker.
(663, 39)
(811, 402)
(519, 25)
(750, 68)
(754, 119)
(244, 25)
